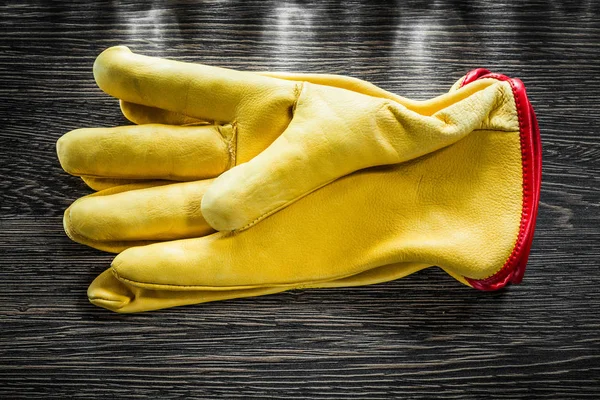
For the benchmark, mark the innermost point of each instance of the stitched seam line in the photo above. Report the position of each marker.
(105, 299)
(298, 88)
(161, 286)
(232, 146)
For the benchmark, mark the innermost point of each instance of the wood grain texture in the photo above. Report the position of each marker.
(424, 336)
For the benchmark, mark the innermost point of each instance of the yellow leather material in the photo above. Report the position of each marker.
(437, 210)
(111, 293)
(288, 137)
(360, 186)
(106, 183)
(137, 214)
(323, 143)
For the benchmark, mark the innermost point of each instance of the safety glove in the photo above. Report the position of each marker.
(468, 208)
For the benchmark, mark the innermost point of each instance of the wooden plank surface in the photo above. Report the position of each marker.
(425, 336)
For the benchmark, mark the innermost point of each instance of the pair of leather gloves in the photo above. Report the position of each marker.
(235, 184)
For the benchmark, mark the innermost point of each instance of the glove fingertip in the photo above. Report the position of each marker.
(108, 292)
(106, 68)
(67, 151)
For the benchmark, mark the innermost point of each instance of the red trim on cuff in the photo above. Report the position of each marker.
(531, 156)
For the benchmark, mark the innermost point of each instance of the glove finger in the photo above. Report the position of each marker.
(200, 91)
(124, 296)
(147, 152)
(140, 114)
(137, 214)
(123, 288)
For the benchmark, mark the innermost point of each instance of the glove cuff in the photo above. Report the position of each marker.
(531, 156)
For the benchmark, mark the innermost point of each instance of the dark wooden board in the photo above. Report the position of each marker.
(425, 336)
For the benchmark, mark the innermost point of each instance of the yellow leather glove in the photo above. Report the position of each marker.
(466, 208)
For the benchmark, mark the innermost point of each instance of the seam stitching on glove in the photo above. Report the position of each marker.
(298, 88)
(287, 286)
(232, 146)
(104, 299)
(163, 286)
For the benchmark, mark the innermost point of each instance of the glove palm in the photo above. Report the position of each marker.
(425, 208)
